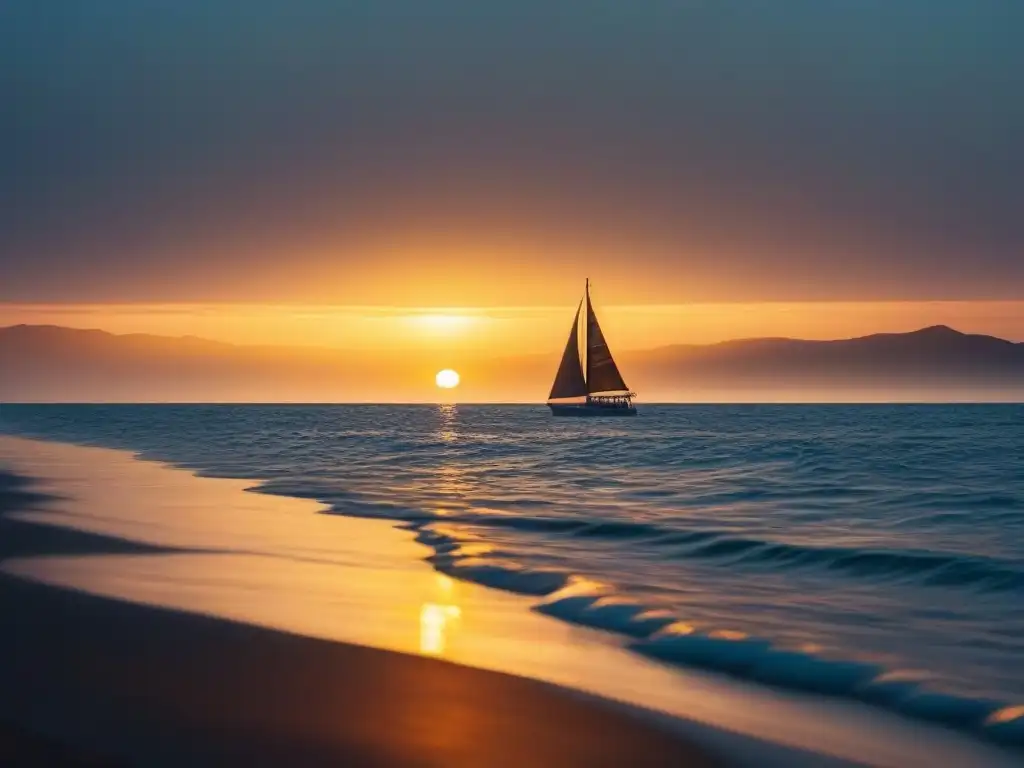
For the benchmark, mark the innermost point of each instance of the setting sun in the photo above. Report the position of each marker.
(447, 379)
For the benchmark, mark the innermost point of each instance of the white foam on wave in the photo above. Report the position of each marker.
(592, 604)
(465, 558)
(507, 576)
(806, 670)
(660, 634)
(1006, 725)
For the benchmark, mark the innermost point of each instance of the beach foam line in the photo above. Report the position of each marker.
(926, 568)
(659, 634)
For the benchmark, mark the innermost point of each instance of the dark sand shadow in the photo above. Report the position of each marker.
(18, 746)
(19, 538)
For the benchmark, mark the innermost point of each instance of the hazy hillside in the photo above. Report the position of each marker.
(932, 363)
(48, 363)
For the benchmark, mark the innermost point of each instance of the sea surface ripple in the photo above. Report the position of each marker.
(875, 552)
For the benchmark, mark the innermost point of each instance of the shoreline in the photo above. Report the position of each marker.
(701, 707)
(143, 684)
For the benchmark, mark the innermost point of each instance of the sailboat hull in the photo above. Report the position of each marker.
(586, 410)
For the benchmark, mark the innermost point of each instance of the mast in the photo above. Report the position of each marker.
(586, 334)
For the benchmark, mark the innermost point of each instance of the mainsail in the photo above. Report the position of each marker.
(602, 373)
(569, 379)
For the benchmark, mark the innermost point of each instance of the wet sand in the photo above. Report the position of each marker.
(88, 680)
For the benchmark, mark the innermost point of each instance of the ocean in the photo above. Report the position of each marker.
(871, 552)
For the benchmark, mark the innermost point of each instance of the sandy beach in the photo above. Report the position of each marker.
(120, 683)
(147, 686)
(165, 618)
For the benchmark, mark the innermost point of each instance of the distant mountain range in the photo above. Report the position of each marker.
(55, 364)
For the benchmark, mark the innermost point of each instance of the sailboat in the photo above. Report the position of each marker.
(592, 386)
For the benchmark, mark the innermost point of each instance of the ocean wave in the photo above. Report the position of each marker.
(929, 568)
(758, 659)
(661, 634)
(480, 562)
(924, 567)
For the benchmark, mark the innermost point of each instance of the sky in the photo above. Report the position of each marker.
(857, 159)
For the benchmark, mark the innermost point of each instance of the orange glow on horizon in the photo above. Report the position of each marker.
(321, 353)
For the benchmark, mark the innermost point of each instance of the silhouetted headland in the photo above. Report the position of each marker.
(56, 364)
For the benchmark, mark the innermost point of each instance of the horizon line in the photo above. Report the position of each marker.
(516, 404)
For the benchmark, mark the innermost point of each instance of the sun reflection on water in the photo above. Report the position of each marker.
(437, 619)
(446, 431)
(434, 627)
